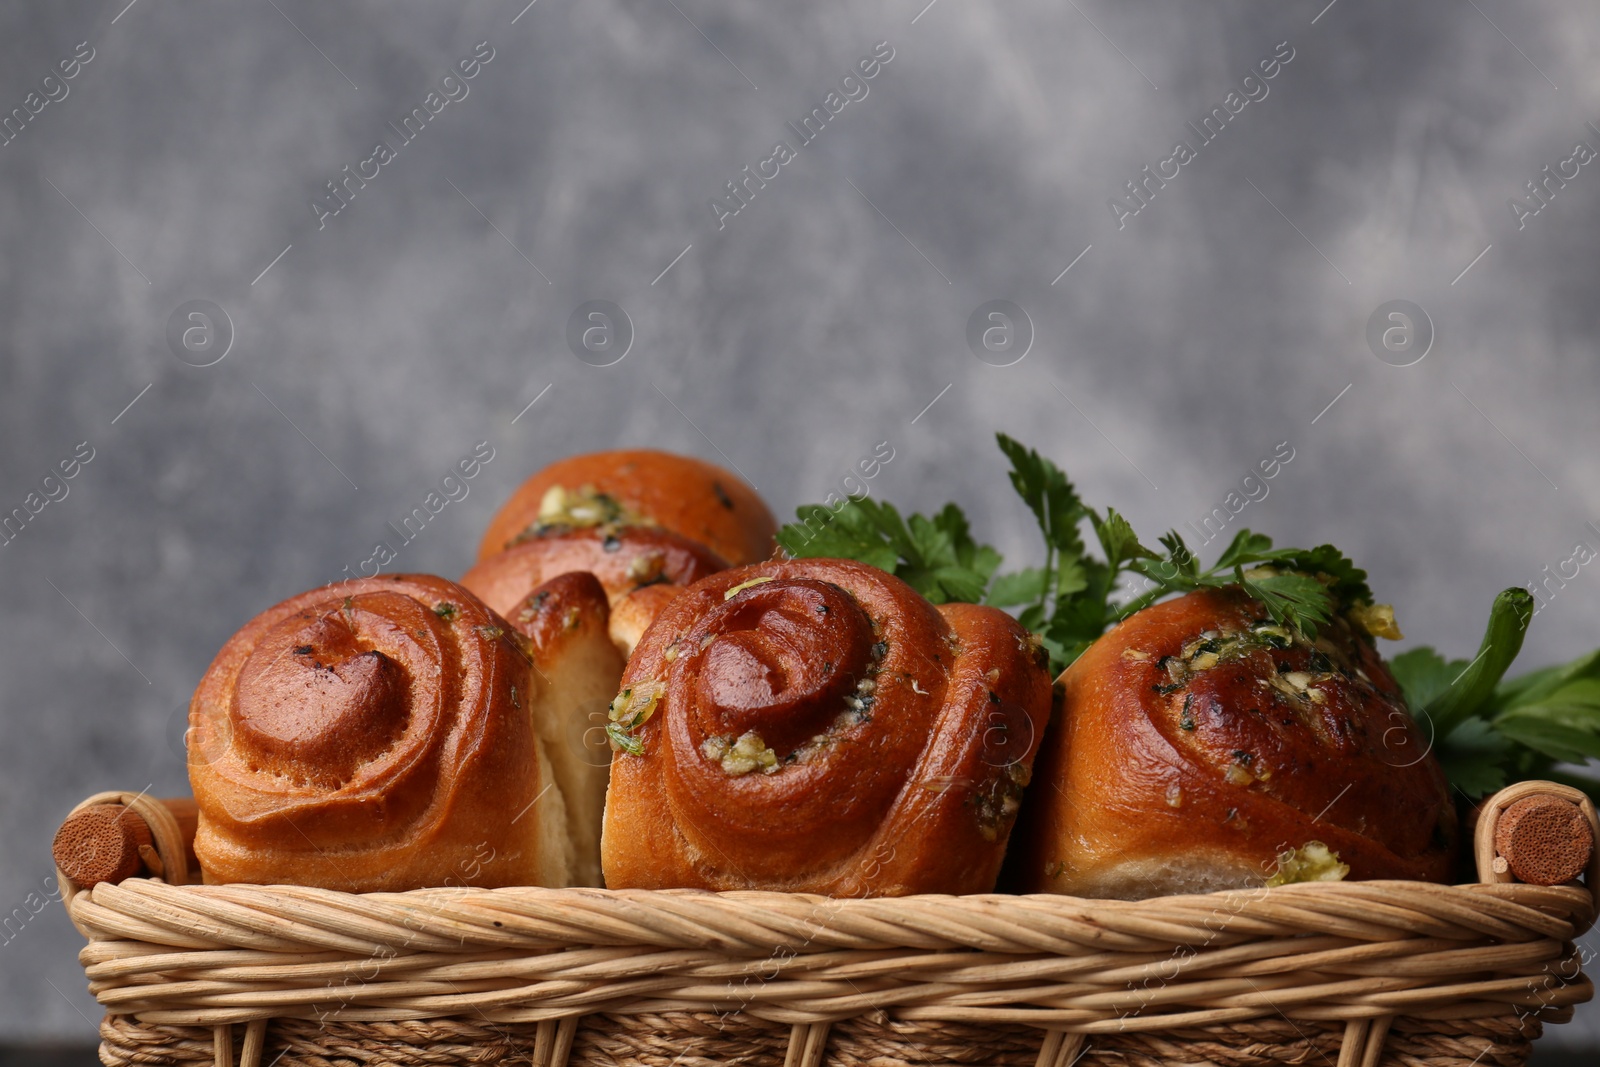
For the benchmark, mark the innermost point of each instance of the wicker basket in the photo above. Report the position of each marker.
(1365, 972)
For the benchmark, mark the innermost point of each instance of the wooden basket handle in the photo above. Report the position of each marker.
(117, 835)
(1541, 833)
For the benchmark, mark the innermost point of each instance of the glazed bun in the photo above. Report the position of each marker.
(818, 726)
(1202, 747)
(394, 733)
(638, 487)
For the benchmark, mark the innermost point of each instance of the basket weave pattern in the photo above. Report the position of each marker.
(1368, 972)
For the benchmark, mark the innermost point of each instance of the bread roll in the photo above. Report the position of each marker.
(1199, 743)
(638, 487)
(817, 726)
(627, 560)
(377, 735)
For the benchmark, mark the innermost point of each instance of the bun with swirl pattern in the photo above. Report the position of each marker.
(376, 735)
(638, 487)
(818, 726)
(1202, 746)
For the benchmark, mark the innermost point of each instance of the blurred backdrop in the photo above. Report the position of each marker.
(256, 337)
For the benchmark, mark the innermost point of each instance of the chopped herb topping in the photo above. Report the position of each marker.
(584, 506)
(631, 709)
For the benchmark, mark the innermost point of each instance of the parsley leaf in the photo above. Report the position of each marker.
(1346, 582)
(1117, 539)
(1291, 599)
(1299, 587)
(849, 533)
(1475, 760)
(1423, 674)
(1045, 489)
(936, 556)
(1016, 588)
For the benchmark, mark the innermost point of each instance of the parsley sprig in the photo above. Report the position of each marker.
(1077, 594)
(936, 556)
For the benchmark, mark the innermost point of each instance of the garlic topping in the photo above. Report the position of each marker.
(584, 506)
(1311, 862)
(740, 757)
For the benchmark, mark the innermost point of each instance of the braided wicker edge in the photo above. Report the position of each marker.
(1360, 956)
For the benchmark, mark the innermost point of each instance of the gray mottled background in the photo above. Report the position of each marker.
(825, 317)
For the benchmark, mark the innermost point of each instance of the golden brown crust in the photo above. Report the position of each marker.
(374, 735)
(899, 736)
(627, 560)
(624, 559)
(689, 497)
(1191, 752)
(632, 614)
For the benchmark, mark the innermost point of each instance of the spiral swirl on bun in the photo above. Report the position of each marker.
(817, 725)
(375, 735)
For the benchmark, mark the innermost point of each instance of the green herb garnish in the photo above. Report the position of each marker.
(623, 740)
(631, 709)
(1074, 597)
(1486, 731)
(936, 556)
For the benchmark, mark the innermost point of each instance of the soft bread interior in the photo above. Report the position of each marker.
(575, 691)
(578, 669)
(1173, 875)
(549, 831)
